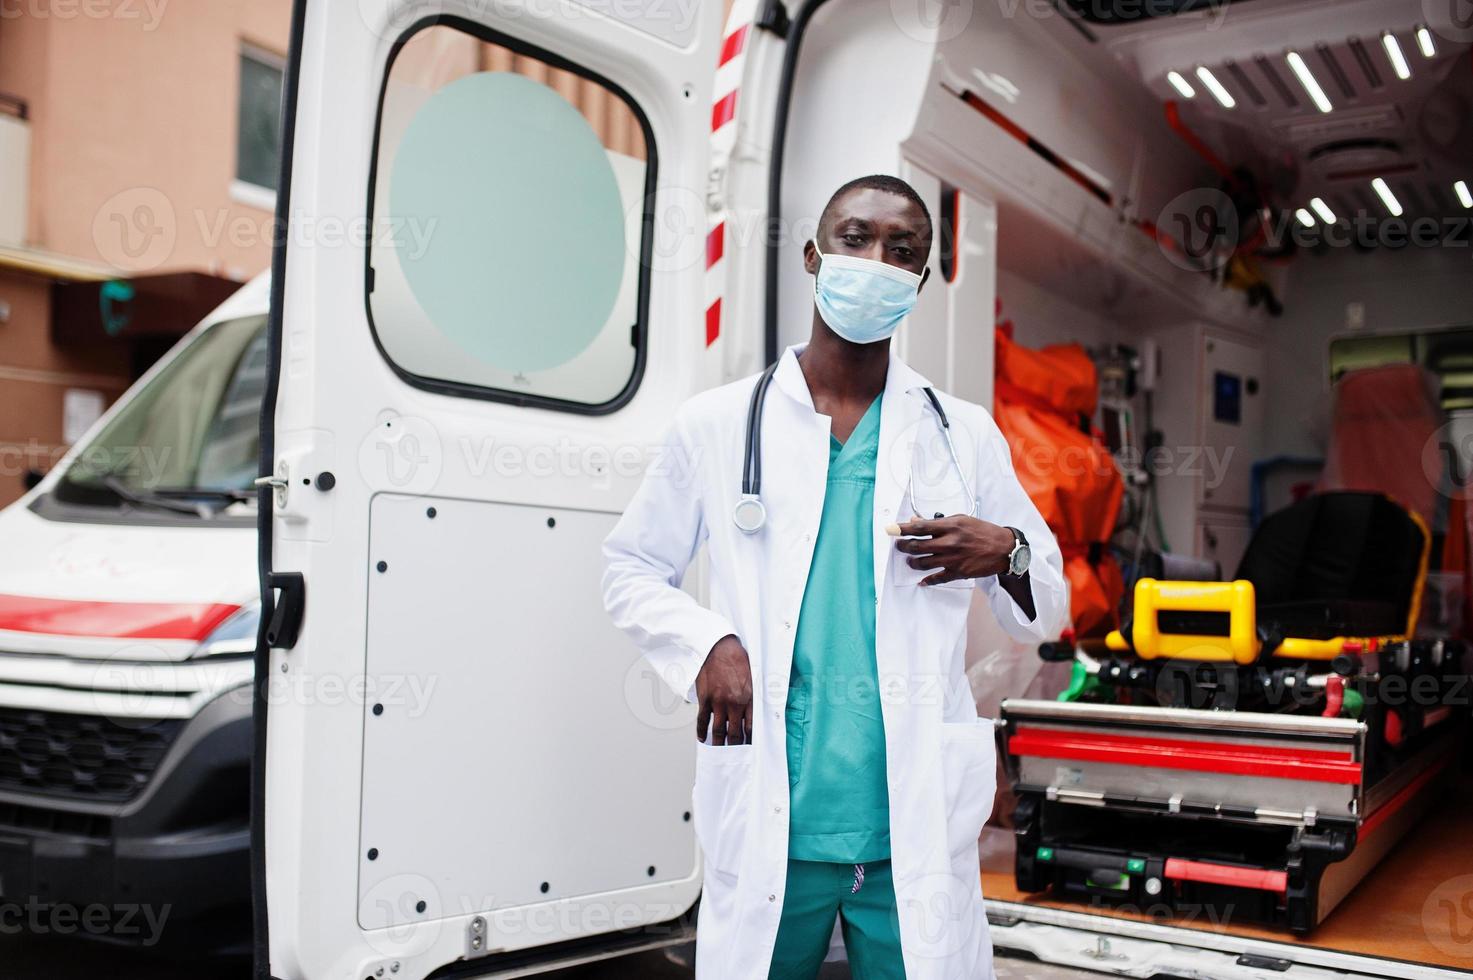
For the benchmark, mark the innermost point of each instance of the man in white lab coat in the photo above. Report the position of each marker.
(842, 774)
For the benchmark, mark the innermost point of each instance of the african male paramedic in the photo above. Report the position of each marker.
(842, 773)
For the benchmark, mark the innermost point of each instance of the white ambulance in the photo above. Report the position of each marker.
(516, 235)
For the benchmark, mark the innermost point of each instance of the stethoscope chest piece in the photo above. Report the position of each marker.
(749, 514)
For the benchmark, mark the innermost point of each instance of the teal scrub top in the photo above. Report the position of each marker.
(840, 804)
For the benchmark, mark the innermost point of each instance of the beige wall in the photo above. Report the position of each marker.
(34, 376)
(139, 112)
(132, 118)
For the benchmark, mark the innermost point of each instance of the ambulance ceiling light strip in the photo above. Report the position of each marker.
(1221, 94)
(1394, 55)
(1383, 190)
(1181, 85)
(1424, 42)
(1308, 81)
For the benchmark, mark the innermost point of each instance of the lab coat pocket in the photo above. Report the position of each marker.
(902, 574)
(720, 802)
(969, 763)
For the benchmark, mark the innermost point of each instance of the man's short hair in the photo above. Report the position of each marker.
(877, 182)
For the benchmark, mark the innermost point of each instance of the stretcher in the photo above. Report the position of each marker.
(1254, 746)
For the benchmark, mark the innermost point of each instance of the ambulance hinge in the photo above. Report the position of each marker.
(715, 186)
(476, 945)
(774, 18)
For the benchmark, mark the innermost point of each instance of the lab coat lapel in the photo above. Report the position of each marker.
(900, 415)
(798, 471)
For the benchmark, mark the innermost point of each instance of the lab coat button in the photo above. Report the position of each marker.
(772, 898)
(787, 624)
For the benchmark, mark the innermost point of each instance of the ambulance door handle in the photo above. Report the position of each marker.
(286, 615)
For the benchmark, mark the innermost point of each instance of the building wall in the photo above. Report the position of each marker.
(35, 375)
(140, 113)
(132, 116)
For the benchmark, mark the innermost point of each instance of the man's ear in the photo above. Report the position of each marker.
(810, 257)
(925, 274)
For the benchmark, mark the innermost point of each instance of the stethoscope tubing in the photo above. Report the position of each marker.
(750, 502)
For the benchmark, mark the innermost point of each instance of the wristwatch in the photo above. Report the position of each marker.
(1019, 557)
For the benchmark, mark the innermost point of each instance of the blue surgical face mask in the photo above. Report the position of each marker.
(860, 299)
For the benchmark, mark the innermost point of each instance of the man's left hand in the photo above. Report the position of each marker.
(958, 547)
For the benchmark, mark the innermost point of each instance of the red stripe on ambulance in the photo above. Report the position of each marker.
(733, 45)
(114, 620)
(715, 244)
(713, 322)
(724, 110)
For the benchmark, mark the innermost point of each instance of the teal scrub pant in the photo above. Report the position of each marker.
(862, 896)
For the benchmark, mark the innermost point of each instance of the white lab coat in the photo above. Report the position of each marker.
(940, 756)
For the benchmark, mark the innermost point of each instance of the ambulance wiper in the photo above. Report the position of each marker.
(229, 494)
(140, 498)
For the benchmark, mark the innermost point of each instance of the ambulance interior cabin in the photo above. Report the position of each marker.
(1210, 265)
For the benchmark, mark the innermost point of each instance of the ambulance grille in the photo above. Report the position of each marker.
(80, 757)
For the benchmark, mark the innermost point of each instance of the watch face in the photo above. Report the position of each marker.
(1021, 557)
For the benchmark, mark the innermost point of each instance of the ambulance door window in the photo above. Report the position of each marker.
(509, 224)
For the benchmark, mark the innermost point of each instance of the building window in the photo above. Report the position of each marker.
(510, 206)
(258, 120)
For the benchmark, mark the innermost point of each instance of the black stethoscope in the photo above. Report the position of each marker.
(750, 514)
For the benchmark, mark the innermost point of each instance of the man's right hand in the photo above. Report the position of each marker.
(724, 692)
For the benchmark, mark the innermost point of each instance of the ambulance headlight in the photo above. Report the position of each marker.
(234, 637)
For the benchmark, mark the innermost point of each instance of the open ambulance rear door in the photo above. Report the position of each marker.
(488, 299)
